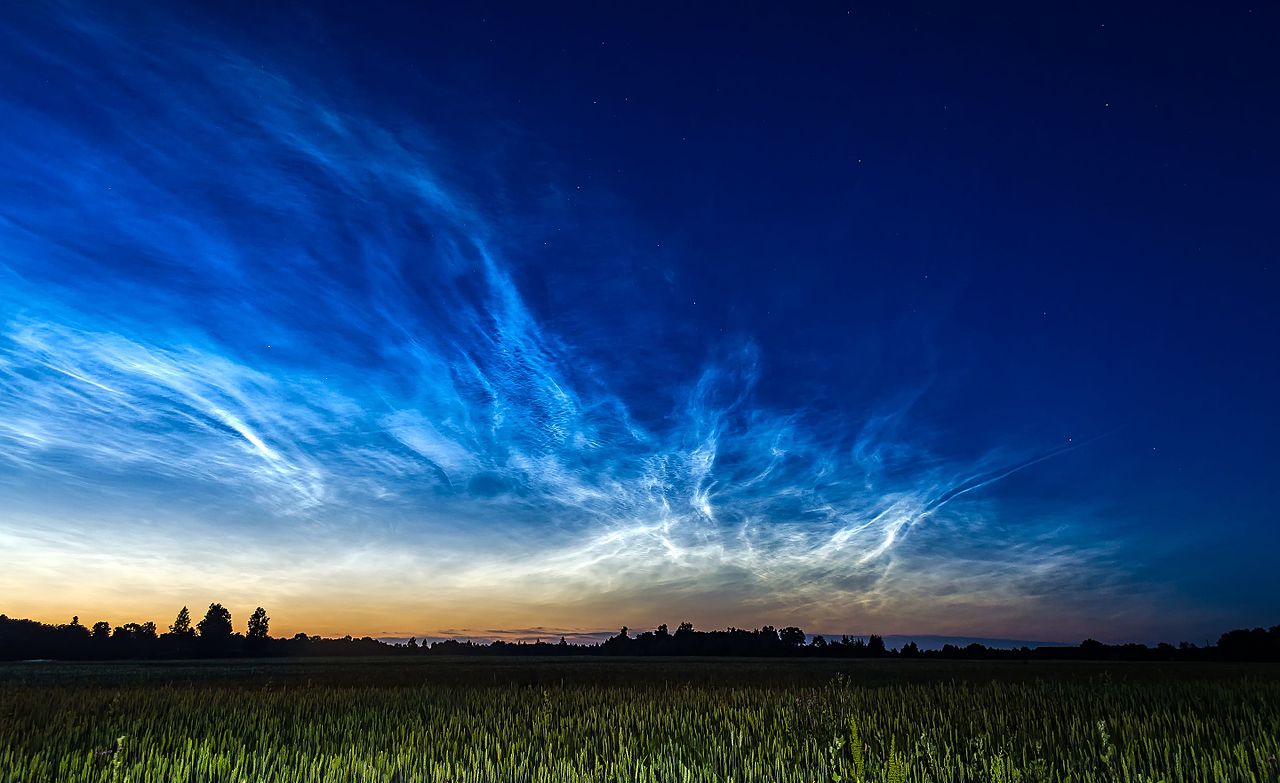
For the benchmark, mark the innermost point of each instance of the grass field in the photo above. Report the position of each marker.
(482, 720)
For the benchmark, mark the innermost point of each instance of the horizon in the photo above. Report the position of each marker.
(585, 636)
(421, 319)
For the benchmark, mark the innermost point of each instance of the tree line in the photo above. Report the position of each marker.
(214, 636)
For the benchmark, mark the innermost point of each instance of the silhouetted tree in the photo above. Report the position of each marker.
(182, 624)
(1257, 644)
(791, 636)
(28, 639)
(134, 640)
(617, 645)
(255, 641)
(180, 641)
(215, 630)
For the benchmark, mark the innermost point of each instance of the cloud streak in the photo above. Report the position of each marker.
(223, 285)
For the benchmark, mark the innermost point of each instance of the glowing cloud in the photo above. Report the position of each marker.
(254, 341)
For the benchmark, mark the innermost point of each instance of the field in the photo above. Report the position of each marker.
(485, 720)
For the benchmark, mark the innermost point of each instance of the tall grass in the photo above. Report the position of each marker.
(669, 721)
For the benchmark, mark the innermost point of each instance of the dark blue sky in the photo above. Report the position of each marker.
(929, 319)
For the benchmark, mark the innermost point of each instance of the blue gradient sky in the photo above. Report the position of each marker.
(427, 322)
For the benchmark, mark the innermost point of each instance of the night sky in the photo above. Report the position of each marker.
(401, 320)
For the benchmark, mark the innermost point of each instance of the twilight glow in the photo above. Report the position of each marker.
(398, 332)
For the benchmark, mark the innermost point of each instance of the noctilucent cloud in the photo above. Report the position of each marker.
(508, 322)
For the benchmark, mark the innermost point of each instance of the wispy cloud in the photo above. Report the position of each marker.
(221, 282)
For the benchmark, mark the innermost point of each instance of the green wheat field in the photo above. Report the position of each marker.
(485, 720)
